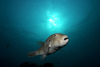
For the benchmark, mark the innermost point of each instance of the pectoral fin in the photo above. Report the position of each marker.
(48, 43)
(61, 50)
(43, 57)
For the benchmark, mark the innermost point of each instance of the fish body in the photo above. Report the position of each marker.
(51, 45)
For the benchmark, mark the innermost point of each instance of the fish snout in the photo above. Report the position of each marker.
(66, 38)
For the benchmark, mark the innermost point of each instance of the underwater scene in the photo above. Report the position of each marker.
(49, 33)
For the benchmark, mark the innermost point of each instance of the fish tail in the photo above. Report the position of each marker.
(32, 54)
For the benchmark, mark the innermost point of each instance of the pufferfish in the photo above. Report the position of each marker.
(51, 45)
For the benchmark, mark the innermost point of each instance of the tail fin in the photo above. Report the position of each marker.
(32, 54)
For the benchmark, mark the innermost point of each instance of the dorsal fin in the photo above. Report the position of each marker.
(40, 43)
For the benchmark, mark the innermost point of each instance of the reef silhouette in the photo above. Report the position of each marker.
(28, 64)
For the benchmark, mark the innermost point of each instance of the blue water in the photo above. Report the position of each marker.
(24, 22)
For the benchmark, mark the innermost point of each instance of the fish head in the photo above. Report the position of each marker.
(60, 39)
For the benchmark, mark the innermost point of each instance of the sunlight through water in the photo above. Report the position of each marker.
(53, 21)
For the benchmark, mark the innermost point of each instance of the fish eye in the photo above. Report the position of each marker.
(65, 38)
(54, 34)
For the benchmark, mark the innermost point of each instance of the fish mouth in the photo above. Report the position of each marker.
(68, 40)
(65, 38)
